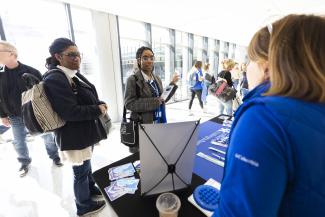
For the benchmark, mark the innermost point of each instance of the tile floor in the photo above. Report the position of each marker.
(46, 191)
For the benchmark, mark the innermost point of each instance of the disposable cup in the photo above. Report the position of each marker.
(168, 205)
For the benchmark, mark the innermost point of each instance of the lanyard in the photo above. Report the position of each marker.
(153, 84)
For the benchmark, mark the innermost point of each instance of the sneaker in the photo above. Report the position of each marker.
(57, 162)
(94, 209)
(190, 113)
(96, 195)
(205, 110)
(23, 170)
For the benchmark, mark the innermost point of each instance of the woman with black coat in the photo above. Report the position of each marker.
(76, 101)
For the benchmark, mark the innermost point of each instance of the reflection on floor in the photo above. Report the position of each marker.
(46, 191)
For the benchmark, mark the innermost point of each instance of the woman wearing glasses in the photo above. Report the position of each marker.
(75, 99)
(143, 91)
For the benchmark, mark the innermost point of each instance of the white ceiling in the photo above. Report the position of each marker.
(229, 20)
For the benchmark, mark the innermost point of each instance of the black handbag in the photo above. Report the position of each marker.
(105, 120)
(129, 131)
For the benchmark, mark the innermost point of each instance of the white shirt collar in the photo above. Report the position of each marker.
(69, 72)
(146, 77)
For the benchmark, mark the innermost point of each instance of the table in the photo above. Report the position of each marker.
(207, 131)
(135, 205)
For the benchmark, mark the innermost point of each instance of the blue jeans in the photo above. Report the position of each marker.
(83, 185)
(224, 107)
(244, 92)
(19, 131)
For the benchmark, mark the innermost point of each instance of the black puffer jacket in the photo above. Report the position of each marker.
(78, 106)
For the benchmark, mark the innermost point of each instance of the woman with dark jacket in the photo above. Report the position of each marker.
(76, 101)
(143, 91)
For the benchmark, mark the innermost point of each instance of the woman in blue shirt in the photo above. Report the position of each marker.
(276, 157)
(196, 79)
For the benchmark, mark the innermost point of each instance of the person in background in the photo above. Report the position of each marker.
(235, 75)
(196, 79)
(275, 135)
(225, 107)
(206, 82)
(11, 87)
(76, 101)
(243, 83)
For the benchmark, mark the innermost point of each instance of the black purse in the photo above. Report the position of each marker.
(129, 131)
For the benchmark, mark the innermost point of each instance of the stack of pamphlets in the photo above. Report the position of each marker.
(123, 181)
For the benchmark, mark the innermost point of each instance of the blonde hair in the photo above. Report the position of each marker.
(9, 47)
(228, 64)
(206, 66)
(296, 57)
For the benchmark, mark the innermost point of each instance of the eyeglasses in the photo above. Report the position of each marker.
(72, 55)
(147, 59)
(9, 51)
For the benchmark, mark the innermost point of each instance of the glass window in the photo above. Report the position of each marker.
(86, 42)
(161, 48)
(33, 32)
(133, 35)
(198, 48)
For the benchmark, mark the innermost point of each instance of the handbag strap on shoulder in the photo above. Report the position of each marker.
(137, 92)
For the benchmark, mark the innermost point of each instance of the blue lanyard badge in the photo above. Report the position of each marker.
(154, 87)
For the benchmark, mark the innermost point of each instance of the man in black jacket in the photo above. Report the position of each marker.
(11, 87)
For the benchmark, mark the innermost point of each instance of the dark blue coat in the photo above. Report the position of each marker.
(78, 105)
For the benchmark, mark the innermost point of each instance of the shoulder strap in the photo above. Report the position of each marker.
(137, 92)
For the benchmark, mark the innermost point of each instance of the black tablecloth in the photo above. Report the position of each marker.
(135, 205)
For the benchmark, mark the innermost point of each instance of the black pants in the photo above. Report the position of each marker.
(199, 94)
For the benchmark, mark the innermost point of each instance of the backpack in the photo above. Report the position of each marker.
(37, 112)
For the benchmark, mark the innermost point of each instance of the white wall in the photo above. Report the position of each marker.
(109, 86)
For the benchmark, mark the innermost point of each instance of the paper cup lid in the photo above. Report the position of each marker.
(168, 203)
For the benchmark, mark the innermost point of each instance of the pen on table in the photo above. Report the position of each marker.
(218, 156)
(214, 149)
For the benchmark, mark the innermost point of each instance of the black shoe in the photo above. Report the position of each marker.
(23, 170)
(96, 194)
(133, 149)
(57, 162)
(98, 206)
